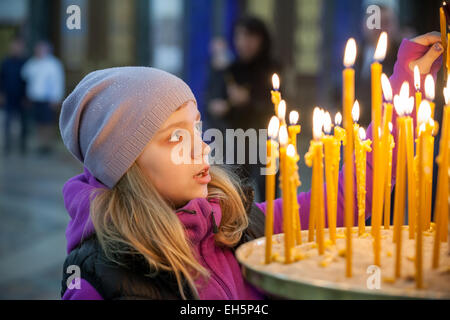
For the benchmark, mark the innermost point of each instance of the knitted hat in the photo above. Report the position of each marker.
(112, 114)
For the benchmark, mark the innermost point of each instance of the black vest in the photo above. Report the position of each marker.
(133, 279)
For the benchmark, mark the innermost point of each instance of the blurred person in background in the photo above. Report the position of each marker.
(12, 94)
(240, 98)
(44, 76)
(390, 23)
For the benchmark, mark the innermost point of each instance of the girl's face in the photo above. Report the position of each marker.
(175, 160)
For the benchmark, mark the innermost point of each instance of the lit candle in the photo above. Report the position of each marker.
(331, 151)
(417, 86)
(362, 146)
(314, 159)
(429, 95)
(275, 93)
(281, 112)
(348, 100)
(443, 25)
(410, 165)
(272, 150)
(355, 117)
(388, 181)
(400, 185)
(294, 182)
(378, 175)
(386, 147)
(294, 129)
(285, 173)
(425, 131)
(442, 191)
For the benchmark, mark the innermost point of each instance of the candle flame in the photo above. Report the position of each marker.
(338, 119)
(281, 109)
(391, 127)
(429, 87)
(318, 116)
(283, 135)
(327, 123)
(293, 117)
(380, 52)
(276, 81)
(362, 133)
(350, 53)
(355, 111)
(290, 151)
(446, 95)
(387, 89)
(274, 124)
(398, 105)
(424, 113)
(417, 77)
(404, 90)
(422, 128)
(409, 105)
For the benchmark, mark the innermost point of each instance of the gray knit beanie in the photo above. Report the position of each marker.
(112, 114)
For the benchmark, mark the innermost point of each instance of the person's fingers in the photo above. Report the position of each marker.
(428, 59)
(428, 39)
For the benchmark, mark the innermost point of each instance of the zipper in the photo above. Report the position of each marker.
(216, 277)
(213, 220)
(214, 274)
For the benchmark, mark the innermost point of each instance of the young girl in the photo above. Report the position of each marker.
(143, 227)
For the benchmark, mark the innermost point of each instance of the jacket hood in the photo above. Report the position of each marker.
(199, 216)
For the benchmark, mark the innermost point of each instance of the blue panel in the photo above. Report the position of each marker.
(199, 34)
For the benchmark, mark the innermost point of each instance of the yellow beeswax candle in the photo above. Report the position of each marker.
(284, 165)
(385, 146)
(314, 158)
(275, 93)
(295, 181)
(418, 94)
(429, 95)
(362, 146)
(272, 154)
(443, 26)
(330, 151)
(377, 189)
(399, 202)
(412, 205)
(442, 193)
(348, 101)
(419, 240)
(294, 129)
(291, 159)
(388, 183)
(425, 130)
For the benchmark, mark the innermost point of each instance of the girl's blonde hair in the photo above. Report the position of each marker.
(132, 218)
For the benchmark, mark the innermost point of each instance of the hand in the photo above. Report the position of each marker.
(432, 39)
(238, 95)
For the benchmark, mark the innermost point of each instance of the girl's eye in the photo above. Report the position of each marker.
(176, 136)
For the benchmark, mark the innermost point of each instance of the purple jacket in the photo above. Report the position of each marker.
(226, 281)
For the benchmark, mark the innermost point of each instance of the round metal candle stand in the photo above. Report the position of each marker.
(279, 286)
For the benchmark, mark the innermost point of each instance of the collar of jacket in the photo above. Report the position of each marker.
(200, 217)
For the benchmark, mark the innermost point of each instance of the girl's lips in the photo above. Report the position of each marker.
(203, 178)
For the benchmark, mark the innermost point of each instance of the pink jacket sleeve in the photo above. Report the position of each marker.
(408, 51)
